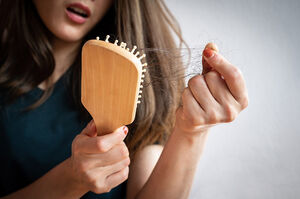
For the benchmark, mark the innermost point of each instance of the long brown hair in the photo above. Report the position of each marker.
(26, 60)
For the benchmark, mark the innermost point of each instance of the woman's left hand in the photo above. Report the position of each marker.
(216, 96)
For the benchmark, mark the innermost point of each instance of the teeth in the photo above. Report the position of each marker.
(78, 10)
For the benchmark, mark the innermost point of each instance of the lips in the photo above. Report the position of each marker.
(78, 12)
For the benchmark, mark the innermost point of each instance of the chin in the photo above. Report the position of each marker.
(69, 33)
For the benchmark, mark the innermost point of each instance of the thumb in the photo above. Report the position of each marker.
(90, 129)
(206, 66)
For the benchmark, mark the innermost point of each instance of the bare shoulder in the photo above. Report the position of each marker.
(141, 168)
(149, 153)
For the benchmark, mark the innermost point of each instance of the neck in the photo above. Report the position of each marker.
(64, 55)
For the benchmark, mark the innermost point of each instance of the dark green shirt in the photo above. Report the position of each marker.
(32, 143)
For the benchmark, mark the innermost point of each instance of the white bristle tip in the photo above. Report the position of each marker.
(140, 91)
(123, 45)
(107, 37)
(138, 101)
(98, 38)
(145, 64)
(141, 57)
(134, 47)
(116, 42)
(144, 70)
(137, 53)
(127, 49)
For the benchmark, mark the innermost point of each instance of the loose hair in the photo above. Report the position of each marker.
(26, 60)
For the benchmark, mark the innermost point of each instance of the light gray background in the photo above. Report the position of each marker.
(258, 155)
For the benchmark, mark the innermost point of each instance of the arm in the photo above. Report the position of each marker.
(214, 97)
(174, 172)
(57, 183)
(98, 163)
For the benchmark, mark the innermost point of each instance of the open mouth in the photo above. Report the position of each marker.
(78, 11)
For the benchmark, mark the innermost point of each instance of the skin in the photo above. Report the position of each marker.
(67, 34)
(99, 163)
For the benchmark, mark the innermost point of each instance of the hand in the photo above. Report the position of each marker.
(99, 163)
(216, 96)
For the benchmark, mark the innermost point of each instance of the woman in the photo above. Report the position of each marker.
(46, 150)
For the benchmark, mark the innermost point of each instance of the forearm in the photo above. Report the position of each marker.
(173, 174)
(57, 183)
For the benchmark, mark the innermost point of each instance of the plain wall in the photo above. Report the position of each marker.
(257, 155)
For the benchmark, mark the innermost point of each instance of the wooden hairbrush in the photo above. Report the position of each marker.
(111, 83)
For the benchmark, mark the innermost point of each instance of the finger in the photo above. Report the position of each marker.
(90, 129)
(218, 88)
(117, 153)
(102, 144)
(192, 111)
(117, 178)
(232, 75)
(201, 93)
(206, 66)
(114, 168)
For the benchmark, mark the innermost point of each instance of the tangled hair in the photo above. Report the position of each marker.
(26, 60)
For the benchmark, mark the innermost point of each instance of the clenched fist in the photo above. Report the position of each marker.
(218, 95)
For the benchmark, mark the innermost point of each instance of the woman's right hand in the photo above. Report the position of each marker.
(99, 163)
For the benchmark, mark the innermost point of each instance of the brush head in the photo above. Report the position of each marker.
(111, 83)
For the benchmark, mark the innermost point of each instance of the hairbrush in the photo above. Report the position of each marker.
(111, 83)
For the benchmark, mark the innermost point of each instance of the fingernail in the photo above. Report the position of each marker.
(125, 130)
(208, 53)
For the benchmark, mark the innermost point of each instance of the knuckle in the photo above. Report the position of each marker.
(235, 73)
(230, 113)
(196, 81)
(196, 121)
(244, 102)
(101, 146)
(124, 150)
(126, 162)
(95, 185)
(212, 75)
(124, 173)
(212, 117)
(106, 189)
(98, 186)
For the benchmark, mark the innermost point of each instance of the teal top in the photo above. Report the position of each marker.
(33, 142)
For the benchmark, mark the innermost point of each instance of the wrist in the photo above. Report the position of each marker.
(192, 137)
(71, 180)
